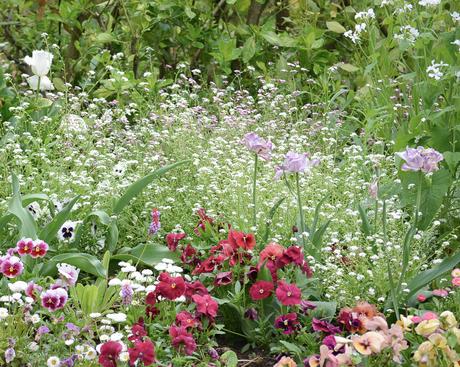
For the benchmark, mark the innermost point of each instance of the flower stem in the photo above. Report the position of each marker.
(38, 86)
(254, 184)
(299, 203)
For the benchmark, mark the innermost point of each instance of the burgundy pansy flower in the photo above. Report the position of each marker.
(251, 314)
(261, 290)
(205, 305)
(170, 287)
(151, 298)
(288, 294)
(185, 319)
(324, 326)
(288, 323)
(188, 255)
(110, 351)
(305, 306)
(195, 287)
(172, 239)
(223, 278)
(142, 351)
(137, 332)
(246, 241)
(181, 338)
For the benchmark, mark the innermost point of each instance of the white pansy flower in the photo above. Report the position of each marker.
(53, 361)
(18, 286)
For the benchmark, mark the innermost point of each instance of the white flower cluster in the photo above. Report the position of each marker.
(407, 33)
(369, 14)
(429, 2)
(435, 70)
(354, 36)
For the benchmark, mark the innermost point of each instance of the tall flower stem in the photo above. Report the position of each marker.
(299, 204)
(254, 184)
(410, 234)
(38, 87)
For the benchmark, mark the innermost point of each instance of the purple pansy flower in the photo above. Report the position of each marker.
(263, 148)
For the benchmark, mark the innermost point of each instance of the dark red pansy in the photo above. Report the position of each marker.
(261, 290)
(109, 353)
(186, 319)
(151, 299)
(181, 338)
(205, 305)
(195, 287)
(246, 241)
(143, 351)
(170, 287)
(172, 240)
(224, 278)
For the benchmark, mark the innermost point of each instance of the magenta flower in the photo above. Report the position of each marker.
(295, 163)
(288, 294)
(54, 299)
(420, 159)
(11, 266)
(24, 246)
(256, 144)
(32, 290)
(39, 249)
(180, 337)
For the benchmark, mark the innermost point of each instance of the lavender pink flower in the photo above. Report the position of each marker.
(296, 163)
(420, 159)
(263, 148)
(68, 273)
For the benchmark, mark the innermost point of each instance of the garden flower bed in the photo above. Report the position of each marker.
(232, 183)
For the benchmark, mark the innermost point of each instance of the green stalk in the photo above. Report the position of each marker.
(254, 183)
(299, 204)
(410, 235)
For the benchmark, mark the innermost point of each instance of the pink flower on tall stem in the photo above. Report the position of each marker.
(259, 146)
(420, 159)
(296, 163)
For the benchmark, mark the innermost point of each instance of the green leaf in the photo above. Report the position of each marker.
(137, 187)
(335, 27)
(229, 359)
(86, 262)
(427, 276)
(104, 38)
(249, 49)
(365, 226)
(104, 218)
(28, 226)
(452, 159)
(48, 233)
(147, 254)
(271, 214)
(294, 349)
(348, 67)
(324, 310)
(230, 2)
(112, 236)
